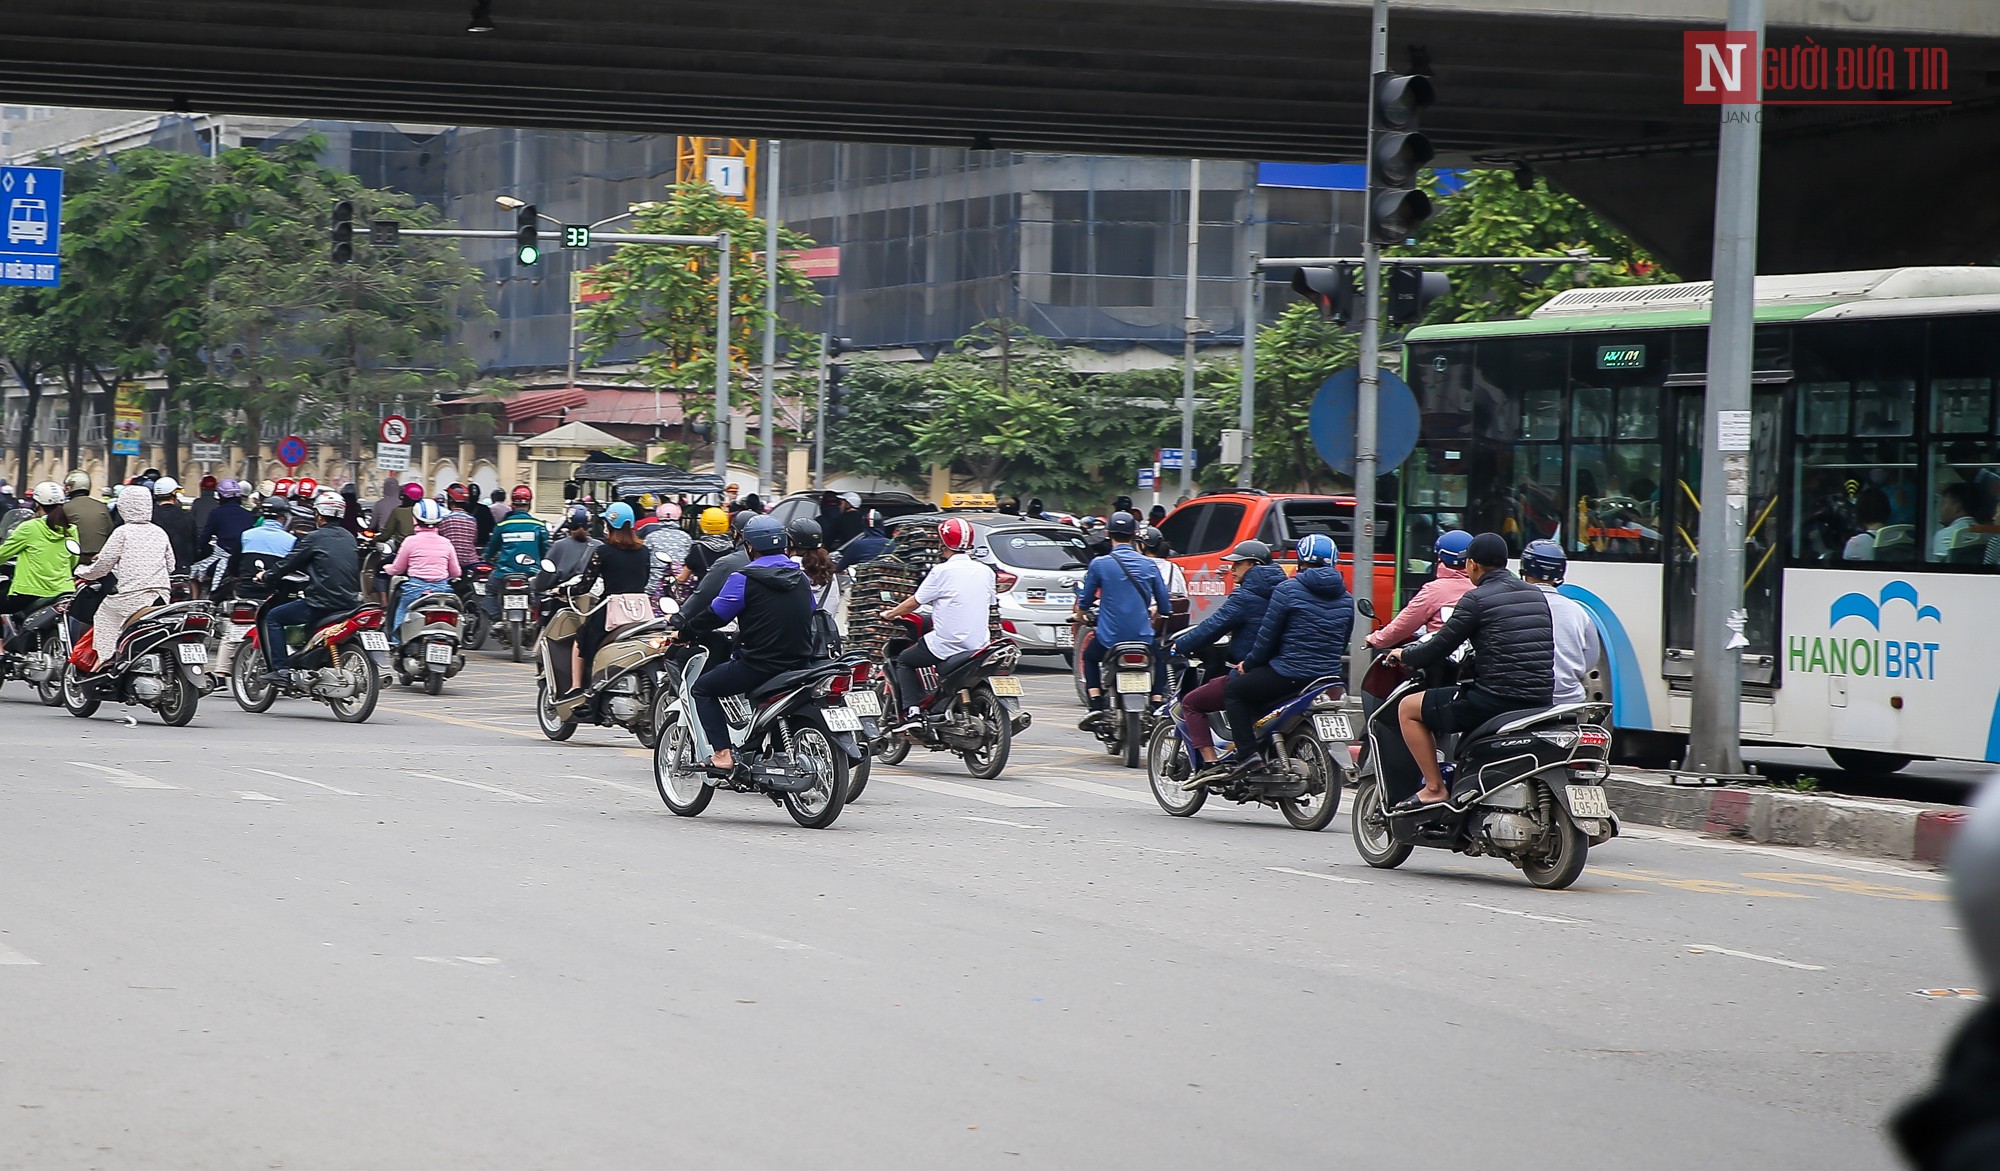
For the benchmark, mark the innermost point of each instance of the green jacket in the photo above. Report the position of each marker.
(518, 544)
(44, 566)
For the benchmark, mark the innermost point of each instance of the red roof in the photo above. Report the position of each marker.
(538, 404)
(632, 407)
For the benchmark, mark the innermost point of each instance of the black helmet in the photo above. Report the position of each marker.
(1122, 524)
(276, 506)
(1153, 541)
(805, 534)
(1544, 560)
(1255, 552)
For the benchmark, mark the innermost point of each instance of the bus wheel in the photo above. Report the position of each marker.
(1854, 760)
(1647, 749)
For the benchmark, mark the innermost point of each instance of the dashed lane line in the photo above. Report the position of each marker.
(633, 789)
(10, 957)
(1325, 877)
(1704, 948)
(475, 785)
(304, 781)
(125, 778)
(444, 719)
(247, 795)
(967, 792)
(1524, 914)
(1094, 789)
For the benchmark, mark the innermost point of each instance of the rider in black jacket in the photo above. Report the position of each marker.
(1513, 642)
(332, 563)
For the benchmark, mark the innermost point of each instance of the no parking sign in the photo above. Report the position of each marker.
(291, 451)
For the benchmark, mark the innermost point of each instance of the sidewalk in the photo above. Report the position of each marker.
(1873, 826)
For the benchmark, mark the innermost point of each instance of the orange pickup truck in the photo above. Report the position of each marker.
(1210, 525)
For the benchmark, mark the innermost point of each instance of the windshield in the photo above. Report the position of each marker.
(1053, 549)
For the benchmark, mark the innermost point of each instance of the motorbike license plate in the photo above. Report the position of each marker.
(232, 632)
(439, 653)
(840, 718)
(374, 640)
(864, 703)
(1135, 682)
(478, 587)
(1005, 685)
(514, 602)
(1331, 726)
(1588, 801)
(193, 654)
(1065, 636)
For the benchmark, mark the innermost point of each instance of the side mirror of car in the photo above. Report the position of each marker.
(1366, 608)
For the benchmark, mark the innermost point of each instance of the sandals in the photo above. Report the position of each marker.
(1416, 804)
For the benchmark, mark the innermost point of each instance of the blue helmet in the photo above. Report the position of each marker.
(764, 534)
(619, 516)
(1452, 546)
(1544, 560)
(1317, 549)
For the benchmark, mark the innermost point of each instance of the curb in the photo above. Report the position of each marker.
(1880, 829)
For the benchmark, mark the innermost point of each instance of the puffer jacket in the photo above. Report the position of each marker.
(1513, 640)
(1240, 615)
(1305, 628)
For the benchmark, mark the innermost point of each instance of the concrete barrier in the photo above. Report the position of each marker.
(1880, 829)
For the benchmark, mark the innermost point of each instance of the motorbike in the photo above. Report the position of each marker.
(471, 590)
(339, 663)
(624, 679)
(427, 642)
(795, 740)
(160, 662)
(1527, 786)
(40, 663)
(1311, 732)
(516, 625)
(972, 706)
(1128, 696)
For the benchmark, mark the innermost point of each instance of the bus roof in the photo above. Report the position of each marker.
(1817, 296)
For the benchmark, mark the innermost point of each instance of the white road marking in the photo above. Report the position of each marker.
(250, 796)
(1135, 846)
(1095, 789)
(1700, 948)
(1789, 853)
(1315, 874)
(634, 789)
(997, 821)
(476, 785)
(455, 961)
(968, 792)
(303, 781)
(9, 956)
(1523, 914)
(124, 777)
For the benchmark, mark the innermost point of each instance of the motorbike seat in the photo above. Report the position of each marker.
(791, 679)
(339, 616)
(1515, 721)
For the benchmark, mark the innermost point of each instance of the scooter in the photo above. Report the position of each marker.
(624, 679)
(1128, 694)
(795, 740)
(427, 642)
(160, 662)
(1310, 730)
(972, 704)
(339, 663)
(40, 663)
(1527, 786)
(517, 605)
(471, 590)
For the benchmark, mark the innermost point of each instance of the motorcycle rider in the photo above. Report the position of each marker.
(870, 543)
(1238, 620)
(223, 532)
(333, 568)
(144, 558)
(1302, 637)
(669, 543)
(1543, 566)
(808, 548)
(39, 548)
(517, 545)
(706, 586)
(1423, 611)
(1513, 637)
(625, 565)
(571, 551)
(772, 606)
(712, 546)
(1127, 592)
(427, 561)
(262, 547)
(460, 527)
(960, 591)
(90, 516)
(397, 526)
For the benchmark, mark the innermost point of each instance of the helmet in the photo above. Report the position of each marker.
(1544, 560)
(872, 518)
(668, 511)
(956, 535)
(166, 486)
(1317, 549)
(576, 518)
(763, 534)
(456, 494)
(853, 499)
(329, 504)
(648, 501)
(1452, 546)
(1253, 551)
(521, 494)
(805, 534)
(267, 488)
(308, 488)
(1123, 524)
(620, 516)
(48, 494)
(714, 521)
(1153, 541)
(429, 512)
(276, 506)
(350, 491)
(1122, 504)
(208, 482)
(280, 488)
(78, 482)
(412, 491)
(229, 488)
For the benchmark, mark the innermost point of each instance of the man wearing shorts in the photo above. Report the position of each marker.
(1513, 644)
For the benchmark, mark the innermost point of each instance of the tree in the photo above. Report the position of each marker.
(875, 438)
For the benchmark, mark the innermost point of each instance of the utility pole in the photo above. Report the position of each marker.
(764, 437)
(1190, 319)
(819, 420)
(1247, 412)
(722, 357)
(1368, 387)
(1715, 737)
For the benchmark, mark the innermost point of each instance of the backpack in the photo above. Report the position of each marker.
(823, 633)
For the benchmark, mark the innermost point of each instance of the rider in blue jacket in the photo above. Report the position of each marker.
(1238, 619)
(1303, 638)
(1127, 592)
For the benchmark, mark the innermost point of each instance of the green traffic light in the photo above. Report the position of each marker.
(529, 254)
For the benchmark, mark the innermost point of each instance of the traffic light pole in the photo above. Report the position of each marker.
(1190, 319)
(1715, 731)
(1246, 413)
(1366, 400)
(769, 397)
(819, 421)
(722, 357)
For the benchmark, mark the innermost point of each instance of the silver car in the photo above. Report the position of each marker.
(1039, 566)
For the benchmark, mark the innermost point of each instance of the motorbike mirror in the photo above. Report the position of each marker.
(75, 550)
(1366, 607)
(548, 566)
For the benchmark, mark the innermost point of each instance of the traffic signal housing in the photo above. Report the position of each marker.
(343, 231)
(1397, 151)
(1411, 291)
(527, 234)
(1332, 289)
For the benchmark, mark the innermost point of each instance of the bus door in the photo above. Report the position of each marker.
(1763, 542)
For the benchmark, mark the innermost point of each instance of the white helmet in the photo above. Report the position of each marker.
(429, 513)
(166, 486)
(48, 494)
(330, 504)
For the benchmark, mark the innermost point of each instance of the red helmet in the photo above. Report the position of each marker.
(455, 494)
(208, 482)
(521, 494)
(307, 488)
(956, 535)
(282, 488)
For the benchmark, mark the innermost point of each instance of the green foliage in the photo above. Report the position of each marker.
(875, 439)
(678, 455)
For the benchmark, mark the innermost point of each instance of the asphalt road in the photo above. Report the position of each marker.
(439, 941)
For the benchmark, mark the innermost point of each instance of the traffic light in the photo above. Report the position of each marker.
(527, 242)
(1396, 152)
(1411, 291)
(836, 392)
(343, 231)
(1332, 289)
(576, 235)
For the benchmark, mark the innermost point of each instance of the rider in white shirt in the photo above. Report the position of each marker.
(960, 592)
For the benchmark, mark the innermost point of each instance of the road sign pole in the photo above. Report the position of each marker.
(1190, 319)
(819, 419)
(1365, 402)
(1715, 724)
(764, 433)
(1246, 413)
(722, 357)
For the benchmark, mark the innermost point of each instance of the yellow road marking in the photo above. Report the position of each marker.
(1705, 886)
(1873, 890)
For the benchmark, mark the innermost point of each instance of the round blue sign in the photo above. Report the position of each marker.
(291, 451)
(1331, 422)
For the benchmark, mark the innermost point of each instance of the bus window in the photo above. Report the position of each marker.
(1855, 500)
(1965, 494)
(1616, 489)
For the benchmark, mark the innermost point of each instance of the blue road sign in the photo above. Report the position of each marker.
(30, 225)
(1331, 421)
(1170, 458)
(1147, 478)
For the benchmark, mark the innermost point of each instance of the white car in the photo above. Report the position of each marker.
(1039, 565)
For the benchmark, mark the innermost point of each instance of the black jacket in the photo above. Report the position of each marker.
(711, 584)
(1513, 640)
(179, 525)
(1239, 616)
(774, 629)
(329, 556)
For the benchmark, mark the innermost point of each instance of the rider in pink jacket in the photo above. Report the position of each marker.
(1426, 609)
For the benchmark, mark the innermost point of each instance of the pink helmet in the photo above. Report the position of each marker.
(668, 511)
(413, 491)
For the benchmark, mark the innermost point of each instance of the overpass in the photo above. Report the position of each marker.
(1587, 92)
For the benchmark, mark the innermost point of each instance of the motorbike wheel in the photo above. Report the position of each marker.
(475, 628)
(1167, 767)
(997, 732)
(890, 748)
(1373, 841)
(367, 691)
(1132, 737)
(50, 692)
(74, 701)
(1308, 757)
(677, 774)
(552, 725)
(252, 694)
(649, 736)
(178, 701)
(812, 744)
(857, 773)
(517, 640)
(1560, 865)
(433, 683)
(1083, 640)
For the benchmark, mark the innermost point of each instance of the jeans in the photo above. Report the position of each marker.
(414, 588)
(1250, 694)
(910, 691)
(734, 677)
(1196, 706)
(297, 612)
